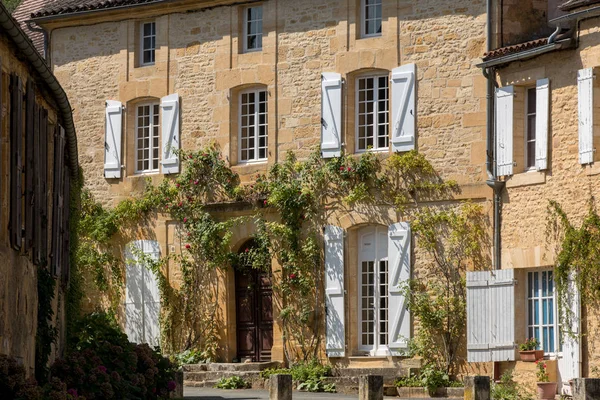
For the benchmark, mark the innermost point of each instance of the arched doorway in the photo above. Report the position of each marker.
(254, 310)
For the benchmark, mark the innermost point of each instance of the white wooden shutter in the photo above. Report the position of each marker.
(134, 287)
(478, 332)
(585, 90)
(399, 248)
(491, 316)
(171, 137)
(151, 296)
(542, 117)
(569, 362)
(142, 295)
(335, 342)
(504, 130)
(331, 114)
(112, 139)
(404, 111)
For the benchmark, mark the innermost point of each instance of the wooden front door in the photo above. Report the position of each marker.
(254, 314)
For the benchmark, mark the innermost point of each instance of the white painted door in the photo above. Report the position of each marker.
(373, 290)
(142, 295)
(569, 357)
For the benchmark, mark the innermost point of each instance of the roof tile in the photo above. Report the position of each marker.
(60, 7)
(517, 48)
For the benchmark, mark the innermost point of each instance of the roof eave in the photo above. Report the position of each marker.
(525, 55)
(47, 18)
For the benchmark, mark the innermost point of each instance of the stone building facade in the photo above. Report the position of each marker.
(206, 57)
(38, 162)
(545, 132)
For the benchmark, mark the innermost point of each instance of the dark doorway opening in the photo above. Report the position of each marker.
(254, 310)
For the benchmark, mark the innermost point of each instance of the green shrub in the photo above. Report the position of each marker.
(507, 389)
(309, 375)
(192, 356)
(103, 364)
(430, 378)
(233, 382)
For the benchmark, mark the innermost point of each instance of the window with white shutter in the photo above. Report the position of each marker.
(331, 114)
(335, 332)
(542, 119)
(585, 93)
(491, 316)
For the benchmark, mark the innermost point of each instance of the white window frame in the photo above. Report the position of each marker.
(142, 48)
(363, 20)
(376, 113)
(245, 32)
(152, 105)
(526, 131)
(540, 325)
(377, 349)
(257, 125)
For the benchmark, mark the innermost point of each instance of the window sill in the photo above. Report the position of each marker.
(145, 173)
(381, 150)
(249, 51)
(526, 179)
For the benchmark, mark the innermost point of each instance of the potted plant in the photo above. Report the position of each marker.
(545, 389)
(528, 352)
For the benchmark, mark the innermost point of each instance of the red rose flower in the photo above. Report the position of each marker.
(187, 246)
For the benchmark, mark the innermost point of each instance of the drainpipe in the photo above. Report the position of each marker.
(43, 32)
(493, 182)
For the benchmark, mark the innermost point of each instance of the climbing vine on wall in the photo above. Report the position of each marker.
(291, 203)
(577, 260)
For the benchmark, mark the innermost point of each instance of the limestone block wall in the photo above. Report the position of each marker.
(199, 57)
(525, 243)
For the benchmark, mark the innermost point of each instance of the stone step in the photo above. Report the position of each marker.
(388, 372)
(255, 366)
(194, 367)
(200, 376)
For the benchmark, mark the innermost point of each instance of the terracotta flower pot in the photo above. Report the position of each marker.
(546, 390)
(531, 355)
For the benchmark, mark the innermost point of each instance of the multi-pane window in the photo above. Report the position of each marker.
(530, 128)
(146, 138)
(541, 320)
(373, 113)
(371, 18)
(253, 28)
(373, 291)
(147, 43)
(253, 126)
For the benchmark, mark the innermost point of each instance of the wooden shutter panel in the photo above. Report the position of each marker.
(142, 295)
(66, 259)
(58, 203)
(29, 169)
(37, 186)
(399, 254)
(404, 111)
(134, 284)
(112, 139)
(504, 130)
(542, 117)
(585, 91)
(170, 133)
(331, 114)
(491, 316)
(44, 186)
(478, 332)
(571, 350)
(335, 341)
(16, 162)
(151, 296)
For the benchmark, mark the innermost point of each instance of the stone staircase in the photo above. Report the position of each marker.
(207, 375)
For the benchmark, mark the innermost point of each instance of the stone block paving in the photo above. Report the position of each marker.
(195, 393)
